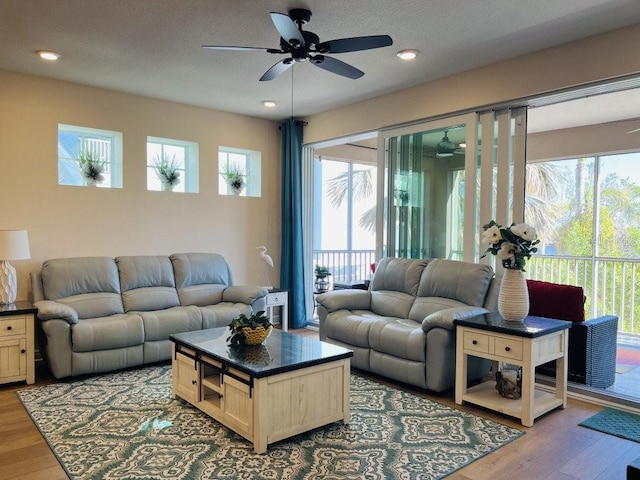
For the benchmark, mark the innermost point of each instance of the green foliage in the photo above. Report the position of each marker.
(90, 165)
(166, 169)
(321, 271)
(258, 319)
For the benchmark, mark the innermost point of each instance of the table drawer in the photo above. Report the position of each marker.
(508, 348)
(276, 298)
(477, 342)
(12, 326)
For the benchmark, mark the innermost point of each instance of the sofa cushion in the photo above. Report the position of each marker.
(424, 306)
(158, 325)
(90, 285)
(401, 338)
(553, 300)
(463, 281)
(222, 314)
(398, 274)
(107, 333)
(147, 283)
(200, 277)
(350, 327)
(389, 303)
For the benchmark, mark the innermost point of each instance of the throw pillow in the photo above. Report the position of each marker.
(553, 300)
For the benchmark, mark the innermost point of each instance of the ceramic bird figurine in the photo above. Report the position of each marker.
(266, 258)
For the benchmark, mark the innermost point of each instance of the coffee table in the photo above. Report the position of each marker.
(288, 385)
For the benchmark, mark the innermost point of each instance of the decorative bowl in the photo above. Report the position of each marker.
(255, 336)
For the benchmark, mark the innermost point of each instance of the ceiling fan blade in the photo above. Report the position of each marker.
(344, 45)
(277, 69)
(336, 66)
(242, 49)
(287, 29)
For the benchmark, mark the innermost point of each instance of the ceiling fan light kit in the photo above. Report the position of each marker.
(446, 147)
(302, 45)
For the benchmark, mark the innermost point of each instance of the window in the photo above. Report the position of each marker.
(239, 172)
(172, 165)
(88, 156)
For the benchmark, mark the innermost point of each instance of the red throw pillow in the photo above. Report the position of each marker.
(553, 300)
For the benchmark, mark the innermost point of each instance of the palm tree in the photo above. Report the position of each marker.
(362, 187)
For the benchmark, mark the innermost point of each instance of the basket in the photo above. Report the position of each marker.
(255, 336)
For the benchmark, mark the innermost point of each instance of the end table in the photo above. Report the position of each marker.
(537, 341)
(17, 343)
(279, 298)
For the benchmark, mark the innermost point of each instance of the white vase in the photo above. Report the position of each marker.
(513, 298)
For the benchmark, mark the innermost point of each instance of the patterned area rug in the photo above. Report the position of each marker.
(615, 422)
(126, 425)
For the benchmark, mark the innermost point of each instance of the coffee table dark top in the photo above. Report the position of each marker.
(281, 351)
(532, 327)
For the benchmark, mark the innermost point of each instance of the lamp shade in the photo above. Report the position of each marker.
(14, 245)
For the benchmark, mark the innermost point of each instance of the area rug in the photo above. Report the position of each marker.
(127, 426)
(615, 422)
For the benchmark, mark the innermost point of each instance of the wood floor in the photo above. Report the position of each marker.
(555, 448)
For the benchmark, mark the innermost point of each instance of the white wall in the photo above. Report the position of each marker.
(65, 221)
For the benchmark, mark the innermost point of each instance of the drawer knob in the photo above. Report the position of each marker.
(23, 351)
(193, 382)
(508, 349)
(9, 327)
(474, 342)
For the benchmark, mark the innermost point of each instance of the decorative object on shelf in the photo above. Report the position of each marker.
(509, 381)
(268, 263)
(251, 330)
(235, 177)
(513, 245)
(14, 245)
(167, 171)
(322, 283)
(91, 167)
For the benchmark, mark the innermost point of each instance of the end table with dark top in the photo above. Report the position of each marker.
(538, 340)
(17, 342)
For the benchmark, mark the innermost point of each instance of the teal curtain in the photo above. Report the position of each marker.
(292, 263)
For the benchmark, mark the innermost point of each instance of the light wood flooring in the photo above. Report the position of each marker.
(555, 448)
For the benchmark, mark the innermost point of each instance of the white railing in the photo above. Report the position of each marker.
(346, 265)
(610, 284)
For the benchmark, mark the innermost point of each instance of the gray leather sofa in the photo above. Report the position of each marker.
(99, 314)
(402, 327)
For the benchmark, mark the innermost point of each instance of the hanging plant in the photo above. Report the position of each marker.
(235, 177)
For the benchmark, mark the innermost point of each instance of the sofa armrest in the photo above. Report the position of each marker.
(345, 299)
(243, 294)
(444, 318)
(49, 310)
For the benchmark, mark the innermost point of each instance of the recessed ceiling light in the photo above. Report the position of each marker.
(407, 54)
(48, 55)
(269, 103)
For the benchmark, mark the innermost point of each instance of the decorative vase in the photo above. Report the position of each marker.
(167, 187)
(513, 298)
(322, 284)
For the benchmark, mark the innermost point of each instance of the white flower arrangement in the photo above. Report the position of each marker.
(513, 245)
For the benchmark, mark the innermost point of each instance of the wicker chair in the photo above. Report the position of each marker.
(592, 343)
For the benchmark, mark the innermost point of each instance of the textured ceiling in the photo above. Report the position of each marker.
(152, 47)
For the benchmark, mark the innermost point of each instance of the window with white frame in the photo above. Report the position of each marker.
(239, 172)
(172, 165)
(89, 157)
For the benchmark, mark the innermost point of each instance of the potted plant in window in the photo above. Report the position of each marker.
(235, 178)
(91, 167)
(322, 278)
(251, 330)
(167, 171)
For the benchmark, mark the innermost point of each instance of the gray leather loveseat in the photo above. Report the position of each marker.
(402, 327)
(100, 314)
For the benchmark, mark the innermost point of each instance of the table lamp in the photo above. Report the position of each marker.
(14, 245)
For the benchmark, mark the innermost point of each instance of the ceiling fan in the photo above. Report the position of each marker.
(302, 45)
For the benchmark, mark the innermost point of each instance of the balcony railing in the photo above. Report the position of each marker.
(610, 284)
(346, 265)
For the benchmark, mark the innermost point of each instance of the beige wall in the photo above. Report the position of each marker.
(597, 58)
(65, 221)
